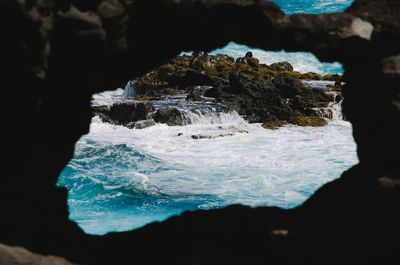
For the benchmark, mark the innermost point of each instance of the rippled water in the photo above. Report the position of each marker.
(313, 6)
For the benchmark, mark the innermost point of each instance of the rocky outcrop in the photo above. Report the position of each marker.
(185, 72)
(169, 116)
(281, 99)
(281, 67)
(124, 113)
(258, 92)
(141, 124)
(55, 54)
(310, 76)
(332, 77)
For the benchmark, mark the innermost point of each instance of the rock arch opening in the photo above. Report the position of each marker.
(57, 56)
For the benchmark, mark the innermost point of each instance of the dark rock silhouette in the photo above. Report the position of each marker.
(170, 116)
(55, 55)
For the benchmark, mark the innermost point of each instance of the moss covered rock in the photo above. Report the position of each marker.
(281, 67)
(332, 77)
(273, 125)
(310, 76)
(293, 74)
(313, 121)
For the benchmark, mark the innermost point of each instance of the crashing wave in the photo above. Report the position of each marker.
(129, 91)
(210, 116)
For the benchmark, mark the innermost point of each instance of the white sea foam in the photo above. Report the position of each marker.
(107, 97)
(254, 166)
(208, 116)
(129, 90)
(124, 178)
(318, 84)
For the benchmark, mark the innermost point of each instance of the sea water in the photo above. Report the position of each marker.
(121, 179)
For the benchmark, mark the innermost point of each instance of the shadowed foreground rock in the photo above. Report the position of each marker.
(20, 256)
(56, 54)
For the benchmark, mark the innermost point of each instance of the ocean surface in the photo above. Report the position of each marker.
(121, 179)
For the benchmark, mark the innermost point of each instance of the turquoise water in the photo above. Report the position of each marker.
(313, 6)
(121, 179)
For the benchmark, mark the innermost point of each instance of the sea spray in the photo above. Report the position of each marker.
(210, 116)
(129, 90)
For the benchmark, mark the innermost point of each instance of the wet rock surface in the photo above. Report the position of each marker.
(55, 55)
(123, 113)
(141, 124)
(169, 116)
